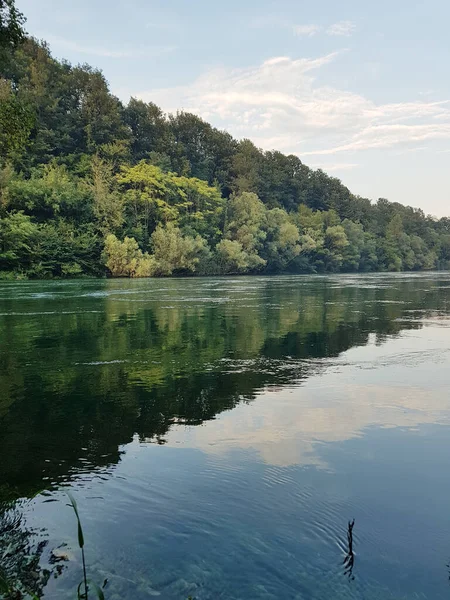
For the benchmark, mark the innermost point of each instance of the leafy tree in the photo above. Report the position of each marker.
(232, 258)
(149, 129)
(246, 163)
(125, 259)
(108, 206)
(11, 25)
(18, 237)
(16, 121)
(175, 252)
(353, 252)
(281, 245)
(149, 197)
(177, 195)
(63, 250)
(208, 151)
(245, 224)
(50, 193)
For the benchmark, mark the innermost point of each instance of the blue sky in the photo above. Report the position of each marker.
(359, 89)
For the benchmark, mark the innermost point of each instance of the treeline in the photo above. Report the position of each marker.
(90, 186)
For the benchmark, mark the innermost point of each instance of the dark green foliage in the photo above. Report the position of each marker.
(172, 194)
(11, 25)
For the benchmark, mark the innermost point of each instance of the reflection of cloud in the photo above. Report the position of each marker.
(286, 426)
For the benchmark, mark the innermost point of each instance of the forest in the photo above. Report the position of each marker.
(90, 186)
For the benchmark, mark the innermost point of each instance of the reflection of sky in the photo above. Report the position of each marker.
(237, 508)
(388, 385)
(254, 503)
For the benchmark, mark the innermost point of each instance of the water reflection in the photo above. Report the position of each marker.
(21, 549)
(84, 366)
(202, 418)
(349, 560)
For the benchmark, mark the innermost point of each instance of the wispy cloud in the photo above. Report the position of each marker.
(280, 104)
(306, 30)
(338, 167)
(101, 51)
(342, 28)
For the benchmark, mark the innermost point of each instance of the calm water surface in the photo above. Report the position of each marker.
(219, 434)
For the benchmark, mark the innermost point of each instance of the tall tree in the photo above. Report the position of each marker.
(11, 26)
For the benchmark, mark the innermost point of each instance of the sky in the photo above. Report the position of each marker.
(359, 89)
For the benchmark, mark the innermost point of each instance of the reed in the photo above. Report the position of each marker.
(85, 584)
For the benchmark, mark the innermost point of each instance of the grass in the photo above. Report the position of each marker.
(85, 584)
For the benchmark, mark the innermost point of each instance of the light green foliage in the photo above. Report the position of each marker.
(18, 236)
(125, 259)
(149, 197)
(232, 258)
(335, 241)
(50, 193)
(352, 252)
(108, 203)
(245, 225)
(154, 197)
(282, 240)
(174, 252)
(200, 207)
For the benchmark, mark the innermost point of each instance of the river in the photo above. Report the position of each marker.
(220, 434)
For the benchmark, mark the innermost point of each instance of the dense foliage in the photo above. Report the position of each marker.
(91, 186)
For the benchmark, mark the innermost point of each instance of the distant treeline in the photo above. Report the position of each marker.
(90, 186)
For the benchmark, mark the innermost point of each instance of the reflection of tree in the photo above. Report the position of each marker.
(20, 555)
(164, 360)
(349, 560)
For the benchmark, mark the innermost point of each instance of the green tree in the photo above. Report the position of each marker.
(125, 259)
(232, 258)
(281, 245)
(77, 166)
(175, 252)
(108, 205)
(16, 122)
(11, 25)
(149, 129)
(18, 238)
(245, 224)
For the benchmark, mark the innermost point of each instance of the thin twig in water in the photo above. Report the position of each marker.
(349, 559)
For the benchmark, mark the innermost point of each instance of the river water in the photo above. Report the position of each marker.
(219, 435)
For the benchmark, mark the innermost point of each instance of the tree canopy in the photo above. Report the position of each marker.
(92, 186)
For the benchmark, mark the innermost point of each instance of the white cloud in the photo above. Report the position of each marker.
(336, 167)
(388, 136)
(280, 105)
(101, 51)
(343, 28)
(306, 30)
